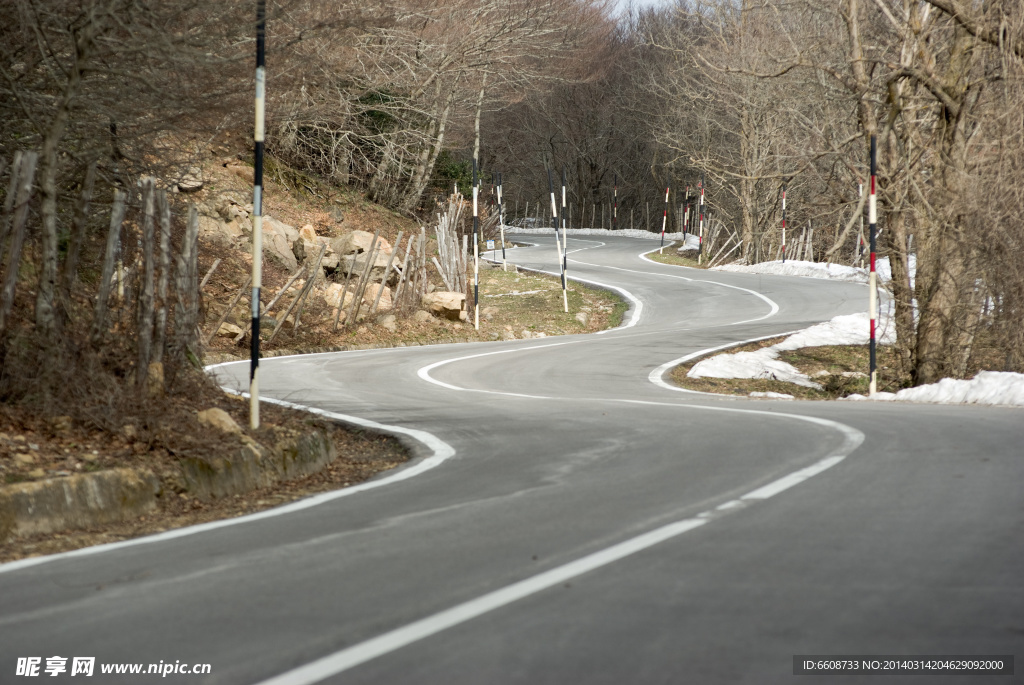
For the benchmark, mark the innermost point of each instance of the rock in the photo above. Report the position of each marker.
(421, 316)
(358, 242)
(299, 250)
(385, 299)
(357, 261)
(61, 424)
(243, 171)
(526, 335)
(488, 312)
(24, 459)
(216, 230)
(447, 305)
(583, 318)
(220, 419)
(332, 295)
(228, 330)
(129, 431)
(389, 322)
(278, 238)
(336, 215)
(191, 181)
(508, 335)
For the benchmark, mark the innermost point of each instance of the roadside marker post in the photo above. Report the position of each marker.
(565, 248)
(476, 250)
(558, 245)
(872, 277)
(664, 220)
(501, 225)
(257, 214)
(783, 223)
(615, 202)
(700, 237)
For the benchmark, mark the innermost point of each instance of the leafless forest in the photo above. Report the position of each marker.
(391, 98)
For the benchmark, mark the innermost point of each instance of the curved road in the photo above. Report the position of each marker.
(570, 519)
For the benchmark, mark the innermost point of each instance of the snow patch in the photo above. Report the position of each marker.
(848, 329)
(625, 232)
(988, 387)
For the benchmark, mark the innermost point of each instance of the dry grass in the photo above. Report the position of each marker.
(825, 365)
(671, 256)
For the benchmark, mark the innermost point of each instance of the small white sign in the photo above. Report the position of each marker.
(490, 244)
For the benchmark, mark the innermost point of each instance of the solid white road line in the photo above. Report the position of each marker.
(390, 641)
(440, 452)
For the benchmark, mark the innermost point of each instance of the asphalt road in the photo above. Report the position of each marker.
(570, 520)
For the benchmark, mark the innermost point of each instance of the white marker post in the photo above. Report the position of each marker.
(872, 277)
(783, 223)
(565, 248)
(700, 237)
(476, 251)
(664, 220)
(257, 216)
(501, 225)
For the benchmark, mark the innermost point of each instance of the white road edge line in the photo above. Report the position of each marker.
(441, 452)
(350, 657)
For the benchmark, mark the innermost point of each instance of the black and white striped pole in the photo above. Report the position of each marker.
(872, 277)
(501, 224)
(783, 223)
(554, 215)
(664, 221)
(476, 250)
(615, 202)
(565, 247)
(257, 216)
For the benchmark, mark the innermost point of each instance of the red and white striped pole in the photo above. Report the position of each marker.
(565, 247)
(664, 220)
(257, 216)
(700, 236)
(872, 277)
(783, 223)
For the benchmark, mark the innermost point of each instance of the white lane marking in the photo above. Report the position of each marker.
(345, 659)
(773, 306)
(424, 372)
(365, 651)
(441, 452)
(637, 309)
(657, 375)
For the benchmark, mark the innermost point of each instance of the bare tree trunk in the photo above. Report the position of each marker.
(24, 194)
(99, 322)
(145, 321)
(78, 226)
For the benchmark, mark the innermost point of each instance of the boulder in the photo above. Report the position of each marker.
(220, 419)
(385, 299)
(278, 238)
(421, 316)
(215, 230)
(583, 318)
(358, 242)
(357, 262)
(447, 305)
(332, 295)
(191, 181)
(228, 330)
(389, 322)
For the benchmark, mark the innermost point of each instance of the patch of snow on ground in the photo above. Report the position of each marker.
(625, 232)
(988, 387)
(835, 272)
(772, 395)
(849, 329)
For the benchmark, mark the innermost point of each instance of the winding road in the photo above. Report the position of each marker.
(571, 518)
